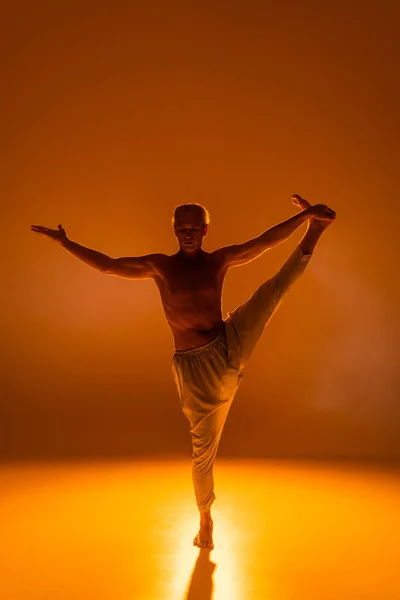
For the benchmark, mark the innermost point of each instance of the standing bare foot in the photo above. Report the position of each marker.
(204, 538)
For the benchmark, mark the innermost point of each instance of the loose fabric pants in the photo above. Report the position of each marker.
(207, 377)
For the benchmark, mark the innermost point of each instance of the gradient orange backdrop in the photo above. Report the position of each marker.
(112, 113)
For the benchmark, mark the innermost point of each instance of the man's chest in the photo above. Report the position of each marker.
(179, 282)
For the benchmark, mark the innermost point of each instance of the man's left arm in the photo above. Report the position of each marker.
(240, 254)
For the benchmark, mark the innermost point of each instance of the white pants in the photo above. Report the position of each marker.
(207, 377)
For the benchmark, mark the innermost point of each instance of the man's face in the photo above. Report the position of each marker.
(189, 230)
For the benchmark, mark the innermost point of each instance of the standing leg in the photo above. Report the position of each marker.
(206, 435)
(207, 386)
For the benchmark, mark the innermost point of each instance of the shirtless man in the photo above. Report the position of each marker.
(210, 352)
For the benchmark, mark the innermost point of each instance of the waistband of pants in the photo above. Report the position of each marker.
(203, 347)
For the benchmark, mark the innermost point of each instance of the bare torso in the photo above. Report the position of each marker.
(191, 293)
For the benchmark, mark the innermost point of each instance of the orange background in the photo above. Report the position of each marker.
(113, 113)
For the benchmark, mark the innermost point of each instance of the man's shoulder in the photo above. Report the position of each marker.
(158, 260)
(158, 257)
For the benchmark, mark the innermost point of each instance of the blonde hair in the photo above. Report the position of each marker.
(190, 206)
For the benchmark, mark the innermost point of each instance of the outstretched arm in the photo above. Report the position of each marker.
(94, 259)
(240, 254)
(129, 267)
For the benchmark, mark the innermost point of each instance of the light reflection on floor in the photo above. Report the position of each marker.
(123, 531)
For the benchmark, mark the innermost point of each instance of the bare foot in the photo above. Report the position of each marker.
(300, 202)
(204, 537)
(303, 204)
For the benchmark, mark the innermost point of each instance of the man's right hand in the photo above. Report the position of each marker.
(57, 235)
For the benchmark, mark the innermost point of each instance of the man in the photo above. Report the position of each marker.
(210, 352)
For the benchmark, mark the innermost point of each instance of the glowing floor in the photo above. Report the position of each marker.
(124, 531)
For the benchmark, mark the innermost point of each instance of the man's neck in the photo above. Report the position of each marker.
(191, 256)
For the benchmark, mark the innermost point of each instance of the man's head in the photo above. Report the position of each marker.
(190, 222)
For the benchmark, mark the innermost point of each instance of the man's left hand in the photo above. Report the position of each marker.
(322, 212)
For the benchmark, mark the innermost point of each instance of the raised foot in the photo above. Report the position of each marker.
(204, 538)
(300, 202)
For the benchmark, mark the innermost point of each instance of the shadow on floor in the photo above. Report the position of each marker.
(201, 583)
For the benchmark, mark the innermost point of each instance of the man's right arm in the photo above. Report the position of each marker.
(136, 267)
(94, 259)
(140, 267)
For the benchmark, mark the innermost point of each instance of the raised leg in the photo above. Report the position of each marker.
(315, 227)
(250, 319)
(314, 231)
